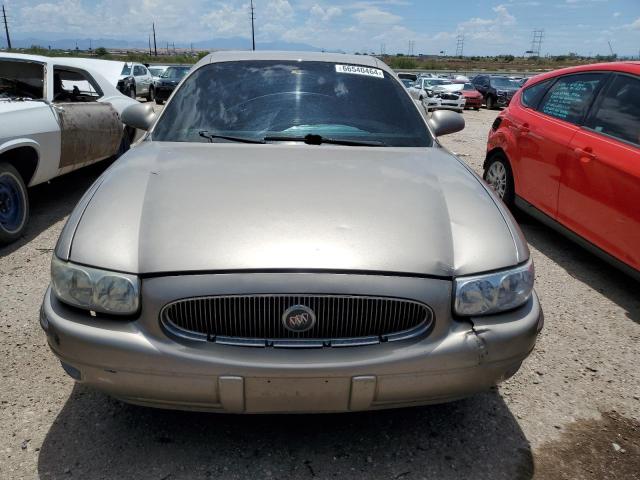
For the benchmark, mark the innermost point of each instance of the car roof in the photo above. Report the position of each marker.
(110, 69)
(340, 58)
(624, 66)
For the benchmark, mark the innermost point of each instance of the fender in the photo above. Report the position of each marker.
(23, 142)
(505, 141)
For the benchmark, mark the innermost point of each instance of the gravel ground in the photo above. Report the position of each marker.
(572, 411)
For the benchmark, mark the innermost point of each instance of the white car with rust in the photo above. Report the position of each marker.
(56, 115)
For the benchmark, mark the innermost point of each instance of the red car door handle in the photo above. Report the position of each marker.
(524, 129)
(585, 154)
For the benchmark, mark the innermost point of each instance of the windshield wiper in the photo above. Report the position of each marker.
(312, 139)
(211, 136)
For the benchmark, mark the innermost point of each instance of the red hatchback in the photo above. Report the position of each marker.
(567, 151)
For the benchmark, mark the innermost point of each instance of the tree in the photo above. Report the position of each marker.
(101, 52)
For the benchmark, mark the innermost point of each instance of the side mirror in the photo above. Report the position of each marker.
(444, 122)
(140, 116)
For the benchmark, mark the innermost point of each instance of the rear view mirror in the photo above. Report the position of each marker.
(140, 116)
(444, 122)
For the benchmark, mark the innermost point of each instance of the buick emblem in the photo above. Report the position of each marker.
(298, 318)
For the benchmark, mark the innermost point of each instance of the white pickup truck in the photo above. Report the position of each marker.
(56, 115)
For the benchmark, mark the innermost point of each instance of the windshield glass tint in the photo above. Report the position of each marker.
(155, 71)
(255, 99)
(502, 82)
(175, 73)
(126, 70)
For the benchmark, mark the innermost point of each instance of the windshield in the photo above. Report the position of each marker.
(437, 81)
(126, 70)
(156, 71)
(175, 73)
(407, 83)
(468, 86)
(503, 82)
(258, 99)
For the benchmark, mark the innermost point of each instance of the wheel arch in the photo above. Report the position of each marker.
(499, 150)
(23, 155)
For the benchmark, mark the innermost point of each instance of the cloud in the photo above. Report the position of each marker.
(635, 25)
(374, 15)
(325, 14)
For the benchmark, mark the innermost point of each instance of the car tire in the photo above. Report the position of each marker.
(460, 111)
(14, 204)
(476, 109)
(490, 103)
(498, 175)
(132, 92)
(159, 102)
(150, 95)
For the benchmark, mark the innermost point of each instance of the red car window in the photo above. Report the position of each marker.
(570, 97)
(618, 111)
(532, 95)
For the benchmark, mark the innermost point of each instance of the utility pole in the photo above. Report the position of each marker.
(411, 46)
(174, 48)
(155, 48)
(149, 44)
(253, 30)
(460, 45)
(536, 43)
(167, 48)
(611, 48)
(383, 49)
(6, 27)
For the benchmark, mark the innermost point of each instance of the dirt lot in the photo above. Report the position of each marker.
(572, 411)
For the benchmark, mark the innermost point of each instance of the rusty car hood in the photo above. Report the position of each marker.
(186, 207)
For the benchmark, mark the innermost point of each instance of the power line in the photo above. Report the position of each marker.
(460, 45)
(253, 30)
(6, 27)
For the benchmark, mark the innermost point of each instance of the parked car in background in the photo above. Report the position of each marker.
(460, 79)
(423, 86)
(168, 81)
(195, 275)
(473, 98)
(497, 91)
(56, 115)
(406, 82)
(136, 81)
(441, 99)
(156, 71)
(408, 76)
(567, 150)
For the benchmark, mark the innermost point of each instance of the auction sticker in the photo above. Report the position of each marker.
(360, 70)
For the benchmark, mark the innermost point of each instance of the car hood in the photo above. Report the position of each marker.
(178, 207)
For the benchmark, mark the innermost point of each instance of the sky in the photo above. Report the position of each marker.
(489, 27)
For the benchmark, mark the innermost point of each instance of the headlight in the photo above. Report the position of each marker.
(494, 292)
(95, 289)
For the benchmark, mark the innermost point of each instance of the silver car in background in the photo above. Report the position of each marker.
(289, 236)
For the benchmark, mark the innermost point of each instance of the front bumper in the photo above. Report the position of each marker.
(503, 100)
(163, 93)
(138, 362)
(473, 102)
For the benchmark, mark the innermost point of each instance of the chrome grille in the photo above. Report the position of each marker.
(256, 320)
